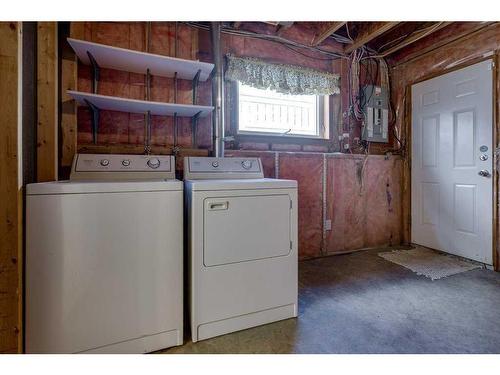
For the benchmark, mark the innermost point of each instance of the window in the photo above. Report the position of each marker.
(268, 112)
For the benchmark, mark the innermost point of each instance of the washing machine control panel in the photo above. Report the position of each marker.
(218, 168)
(92, 166)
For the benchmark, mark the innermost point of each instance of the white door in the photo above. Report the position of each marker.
(452, 162)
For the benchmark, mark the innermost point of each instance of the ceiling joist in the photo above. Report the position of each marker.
(416, 36)
(455, 32)
(326, 30)
(373, 30)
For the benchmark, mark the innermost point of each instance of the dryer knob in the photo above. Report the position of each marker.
(246, 164)
(154, 163)
(104, 162)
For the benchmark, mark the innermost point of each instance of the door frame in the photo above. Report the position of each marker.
(495, 58)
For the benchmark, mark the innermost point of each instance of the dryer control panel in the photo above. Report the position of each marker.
(222, 168)
(122, 167)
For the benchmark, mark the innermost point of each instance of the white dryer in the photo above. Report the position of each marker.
(242, 245)
(104, 257)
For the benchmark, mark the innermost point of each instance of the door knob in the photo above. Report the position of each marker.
(484, 173)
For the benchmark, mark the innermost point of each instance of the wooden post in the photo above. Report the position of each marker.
(47, 100)
(69, 81)
(11, 200)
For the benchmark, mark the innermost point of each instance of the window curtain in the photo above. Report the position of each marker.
(285, 79)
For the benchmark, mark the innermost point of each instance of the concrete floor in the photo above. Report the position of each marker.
(361, 303)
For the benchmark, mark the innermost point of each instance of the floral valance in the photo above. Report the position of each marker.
(285, 79)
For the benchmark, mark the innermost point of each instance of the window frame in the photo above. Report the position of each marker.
(325, 125)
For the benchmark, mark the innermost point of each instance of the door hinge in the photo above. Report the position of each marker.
(291, 245)
(291, 205)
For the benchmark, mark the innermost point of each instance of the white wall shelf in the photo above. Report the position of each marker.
(139, 62)
(114, 103)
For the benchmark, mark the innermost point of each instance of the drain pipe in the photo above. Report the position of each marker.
(217, 92)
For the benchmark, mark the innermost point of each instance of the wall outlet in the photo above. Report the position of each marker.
(328, 225)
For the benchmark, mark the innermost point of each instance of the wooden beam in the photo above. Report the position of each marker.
(47, 101)
(447, 35)
(327, 29)
(372, 31)
(11, 198)
(416, 36)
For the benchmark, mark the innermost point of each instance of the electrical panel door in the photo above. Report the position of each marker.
(375, 106)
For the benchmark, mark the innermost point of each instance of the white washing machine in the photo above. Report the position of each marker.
(104, 257)
(242, 245)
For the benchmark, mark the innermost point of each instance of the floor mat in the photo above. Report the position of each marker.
(430, 263)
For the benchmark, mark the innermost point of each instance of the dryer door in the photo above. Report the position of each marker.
(245, 228)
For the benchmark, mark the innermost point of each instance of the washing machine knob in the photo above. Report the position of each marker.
(104, 162)
(246, 164)
(126, 162)
(215, 164)
(153, 163)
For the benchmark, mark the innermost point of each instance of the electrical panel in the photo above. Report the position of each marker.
(376, 110)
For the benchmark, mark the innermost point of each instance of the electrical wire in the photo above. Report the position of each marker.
(430, 31)
(277, 39)
(405, 36)
(340, 38)
(348, 33)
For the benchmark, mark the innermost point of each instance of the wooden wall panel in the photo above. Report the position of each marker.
(10, 192)
(47, 101)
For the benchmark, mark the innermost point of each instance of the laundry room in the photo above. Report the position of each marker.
(224, 186)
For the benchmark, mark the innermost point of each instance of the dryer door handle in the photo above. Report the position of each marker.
(216, 206)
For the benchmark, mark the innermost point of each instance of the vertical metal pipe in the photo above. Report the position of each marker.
(148, 85)
(217, 92)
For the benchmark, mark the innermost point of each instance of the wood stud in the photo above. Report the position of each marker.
(47, 101)
(11, 207)
(328, 29)
(372, 31)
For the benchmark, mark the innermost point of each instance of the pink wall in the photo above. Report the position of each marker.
(364, 204)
